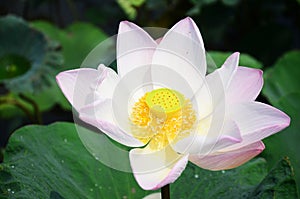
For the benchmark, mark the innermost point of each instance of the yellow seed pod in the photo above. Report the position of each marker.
(164, 100)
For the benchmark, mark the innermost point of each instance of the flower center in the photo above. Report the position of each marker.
(164, 100)
(162, 116)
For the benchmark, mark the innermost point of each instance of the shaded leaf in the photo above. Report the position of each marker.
(283, 77)
(279, 183)
(282, 90)
(28, 61)
(219, 184)
(286, 142)
(248, 181)
(50, 161)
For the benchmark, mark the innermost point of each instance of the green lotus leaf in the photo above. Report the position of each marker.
(281, 88)
(27, 58)
(51, 162)
(283, 77)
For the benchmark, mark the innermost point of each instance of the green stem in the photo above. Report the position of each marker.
(19, 105)
(37, 113)
(165, 192)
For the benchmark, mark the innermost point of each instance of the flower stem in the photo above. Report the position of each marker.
(165, 192)
(19, 105)
(36, 110)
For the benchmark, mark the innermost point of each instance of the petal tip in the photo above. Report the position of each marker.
(235, 56)
(125, 22)
(188, 19)
(126, 26)
(287, 121)
(232, 62)
(57, 78)
(188, 23)
(256, 70)
(60, 78)
(260, 73)
(236, 53)
(261, 147)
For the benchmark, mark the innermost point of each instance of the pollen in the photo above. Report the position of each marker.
(161, 117)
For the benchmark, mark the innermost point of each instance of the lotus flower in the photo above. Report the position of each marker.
(164, 105)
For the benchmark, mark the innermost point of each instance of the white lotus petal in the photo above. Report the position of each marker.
(135, 47)
(154, 169)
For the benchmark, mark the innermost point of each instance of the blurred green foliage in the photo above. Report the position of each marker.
(198, 4)
(77, 40)
(130, 6)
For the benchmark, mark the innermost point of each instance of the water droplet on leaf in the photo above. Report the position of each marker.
(133, 190)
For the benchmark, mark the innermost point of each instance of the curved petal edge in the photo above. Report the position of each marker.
(223, 160)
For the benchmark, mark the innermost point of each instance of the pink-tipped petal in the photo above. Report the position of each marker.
(154, 169)
(188, 43)
(76, 85)
(245, 85)
(100, 115)
(182, 50)
(228, 159)
(135, 47)
(228, 69)
(257, 121)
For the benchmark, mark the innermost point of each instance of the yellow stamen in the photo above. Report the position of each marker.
(161, 116)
